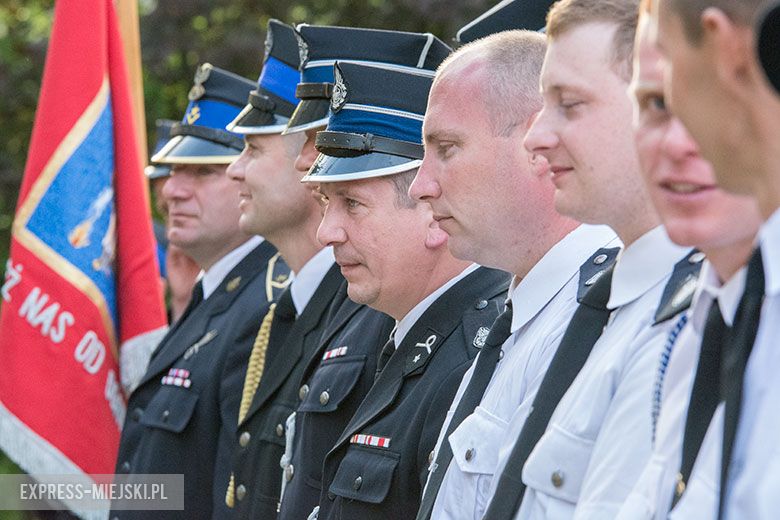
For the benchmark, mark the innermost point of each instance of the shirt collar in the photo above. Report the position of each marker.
(214, 276)
(770, 252)
(406, 323)
(306, 281)
(559, 265)
(643, 265)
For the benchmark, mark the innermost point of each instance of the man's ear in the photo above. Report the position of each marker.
(435, 237)
(731, 46)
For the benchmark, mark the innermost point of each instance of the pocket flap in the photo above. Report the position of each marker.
(473, 443)
(365, 474)
(331, 383)
(275, 425)
(171, 409)
(558, 463)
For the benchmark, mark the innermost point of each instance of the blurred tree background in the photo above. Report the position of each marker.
(175, 37)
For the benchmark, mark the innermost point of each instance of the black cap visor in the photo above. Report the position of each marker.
(157, 171)
(310, 113)
(337, 169)
(188, 149)
(252, 120)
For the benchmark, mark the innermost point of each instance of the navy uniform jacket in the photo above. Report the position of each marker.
(176, 425)
(259, 442)
(379, 465)
(338, 377)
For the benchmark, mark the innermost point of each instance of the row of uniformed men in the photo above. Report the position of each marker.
(429, 176)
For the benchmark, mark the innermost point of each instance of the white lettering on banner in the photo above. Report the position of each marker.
(90, 352)
(33, 311)
(13, 275)
(113, 395)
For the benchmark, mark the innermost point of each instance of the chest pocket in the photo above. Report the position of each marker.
(473, 443)
(331, 383)
(171, 409)
(558, 464)
(365, 474)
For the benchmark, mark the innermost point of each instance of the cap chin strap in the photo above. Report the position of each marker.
(314, 90)
(345, 144)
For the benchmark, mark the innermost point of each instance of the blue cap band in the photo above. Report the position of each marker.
(357, 121)
(210, 113)
(318, 74)
(280, 79)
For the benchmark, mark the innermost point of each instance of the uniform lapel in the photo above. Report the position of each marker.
(430, 331)
(289, 355)
(194, 329)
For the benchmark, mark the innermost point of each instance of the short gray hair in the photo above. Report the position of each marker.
(513, 62)
(401, 183)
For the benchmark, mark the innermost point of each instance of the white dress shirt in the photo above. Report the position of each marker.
(543, 302)
(598, 439)
(214, 276)
(306, 281)
(754, 476)
(700, 499)
(652, 495)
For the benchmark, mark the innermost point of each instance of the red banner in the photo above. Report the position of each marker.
(82, 289)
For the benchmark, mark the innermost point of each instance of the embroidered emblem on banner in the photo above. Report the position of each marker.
(370, 440)
(177, 377)
(334, 353)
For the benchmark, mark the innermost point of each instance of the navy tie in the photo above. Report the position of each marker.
(735, 355)
(581, 334)
(472, 396)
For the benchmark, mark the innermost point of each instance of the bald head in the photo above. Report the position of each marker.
(507, 67)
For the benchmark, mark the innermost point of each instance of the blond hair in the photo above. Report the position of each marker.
(623, 14)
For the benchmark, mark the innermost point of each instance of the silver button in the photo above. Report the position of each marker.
(481, 304)
(289, 471)
(324, 398)
(241, 492)
(600, 259)
(358, 482)
(469, 454)
(557, 478)
(279, 430)
(430, 458)
(303, 392)
(243, 440)
(165, 415)
(697, 257)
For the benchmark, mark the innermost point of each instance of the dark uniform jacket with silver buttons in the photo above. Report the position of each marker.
(259, 443)
(183, 415)
(338, 377)
(379, 464)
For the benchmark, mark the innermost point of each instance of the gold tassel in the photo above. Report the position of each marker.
(254, 372)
